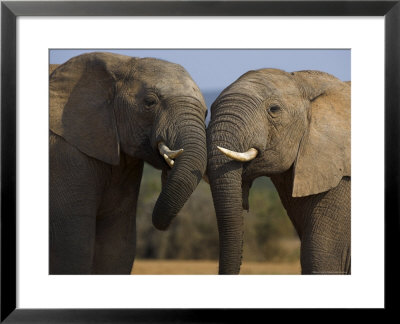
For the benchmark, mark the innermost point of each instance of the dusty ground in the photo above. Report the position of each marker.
(210, 267)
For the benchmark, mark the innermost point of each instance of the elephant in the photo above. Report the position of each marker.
(293, 127)
(109, 114)
(52, 67)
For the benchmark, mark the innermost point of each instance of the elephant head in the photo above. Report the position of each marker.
(268, 122)
(150, 109)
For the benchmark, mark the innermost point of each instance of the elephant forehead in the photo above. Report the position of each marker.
(183, 87)
(174, 86)
(264, 86)
(159, 71)
(271, 80)
(169, 79)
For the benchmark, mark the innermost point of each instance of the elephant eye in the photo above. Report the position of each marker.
(150, 101)
(274, 109)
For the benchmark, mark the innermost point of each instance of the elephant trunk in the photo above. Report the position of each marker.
(187, 170)
(225, 176)
(227, 194)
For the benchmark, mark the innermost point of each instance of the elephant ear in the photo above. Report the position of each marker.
(52, 67)
(324, 155)
(81, 111)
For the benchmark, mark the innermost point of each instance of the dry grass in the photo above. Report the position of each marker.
(180, 267)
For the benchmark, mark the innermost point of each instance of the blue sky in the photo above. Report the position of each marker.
(216, 69)
(213, 70)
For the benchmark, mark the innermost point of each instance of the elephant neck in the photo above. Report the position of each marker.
(121, 190)
(296, 207)
(301, 209)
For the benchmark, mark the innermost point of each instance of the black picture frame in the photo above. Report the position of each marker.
(10, 10)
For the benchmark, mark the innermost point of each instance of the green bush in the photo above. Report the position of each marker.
(269, 234)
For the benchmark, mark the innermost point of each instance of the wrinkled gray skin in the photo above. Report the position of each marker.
(108, 112)
(300, 125)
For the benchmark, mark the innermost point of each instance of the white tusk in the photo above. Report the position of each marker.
(164, 149)
(168, 160)
(242, 157)
(168, 154)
